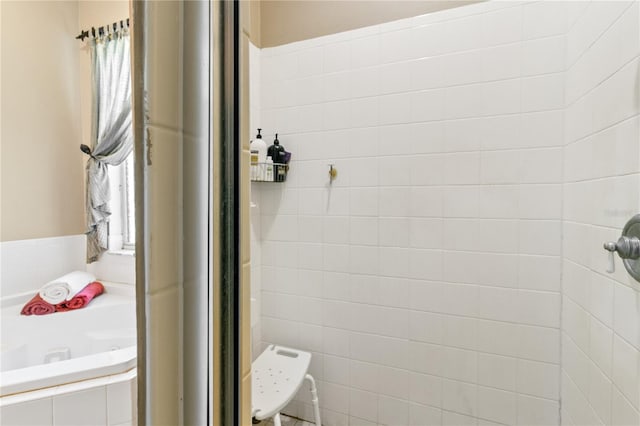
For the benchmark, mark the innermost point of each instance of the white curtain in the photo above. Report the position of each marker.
(111, 131)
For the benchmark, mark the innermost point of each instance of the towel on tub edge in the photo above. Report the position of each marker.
(37, 306)
(64, 288)
(80, 300)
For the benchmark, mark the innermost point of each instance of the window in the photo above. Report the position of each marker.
(128, 205)
(122, 222)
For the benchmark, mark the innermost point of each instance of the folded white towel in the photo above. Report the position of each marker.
(65, 287)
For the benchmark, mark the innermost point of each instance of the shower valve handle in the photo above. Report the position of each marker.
(627, 248)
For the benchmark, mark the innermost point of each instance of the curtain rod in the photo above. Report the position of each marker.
(101, 30)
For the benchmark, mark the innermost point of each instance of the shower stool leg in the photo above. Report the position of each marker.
(276, 420)
(314, 398)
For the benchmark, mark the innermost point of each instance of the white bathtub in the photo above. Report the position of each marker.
(98, 339)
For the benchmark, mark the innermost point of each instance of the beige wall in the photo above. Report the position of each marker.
(46, 113)
(42, 179)
(284, 22)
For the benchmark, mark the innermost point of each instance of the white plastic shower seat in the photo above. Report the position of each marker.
(276, 376)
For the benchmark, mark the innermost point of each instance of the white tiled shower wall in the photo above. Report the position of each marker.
(426, 279)
(601, 312)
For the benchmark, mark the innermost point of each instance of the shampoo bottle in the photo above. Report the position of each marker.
(268, 174)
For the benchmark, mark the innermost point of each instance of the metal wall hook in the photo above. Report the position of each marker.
(333, 173)
(628, 248)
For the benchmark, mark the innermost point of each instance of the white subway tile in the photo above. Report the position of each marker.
(426, 105)
(394, 262)
(498, 201)
(425, 327)
(539, 343)
(426, 201)
(464, 101)
(365, 51)
(540, 201)
(543, 92)
(498, 338)
(450, 418)
(363, 230)
(622, 412)
(363, 201)
(626, 370)
(501, 97)
(425, 389)
(365, 112)
(363, 405)
(497, 371)
(364, 82)
(425, 233)
(462, 68)
(336, 56)
(395, 171)
(38, 412)
(462, 168)
(393, 382)
(335, 397)
(395, 46)
(460, 332)
(497, 405)
(423, 415)
(460, 364)
(626, 307)
(599, 395)
(426, 170)
(540, 237)
(392, 411)
(81, 408)
(498, 304)
(537, 411)
(601, 346)
(464, 135)
(427, 73)
(394, 78)
(395, 108)
(397, 139)
(538, 379)
(393, 232)
(336, 370)
(544, 19)
(502, 62)
(499, 167)
(460, 397)
(394, 292)
(426, 296)
(543, 56)
(394, 202)
(503, 25)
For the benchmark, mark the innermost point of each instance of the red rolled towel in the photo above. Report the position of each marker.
(37, 306)
(82, 298)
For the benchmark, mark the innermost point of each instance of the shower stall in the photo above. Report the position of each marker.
(453, 272)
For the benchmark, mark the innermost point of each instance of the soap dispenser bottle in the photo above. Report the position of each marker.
(258, 149)
(277, 152)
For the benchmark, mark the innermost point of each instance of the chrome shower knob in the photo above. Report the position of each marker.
(628, 248)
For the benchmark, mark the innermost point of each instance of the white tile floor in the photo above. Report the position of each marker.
(286, 421)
